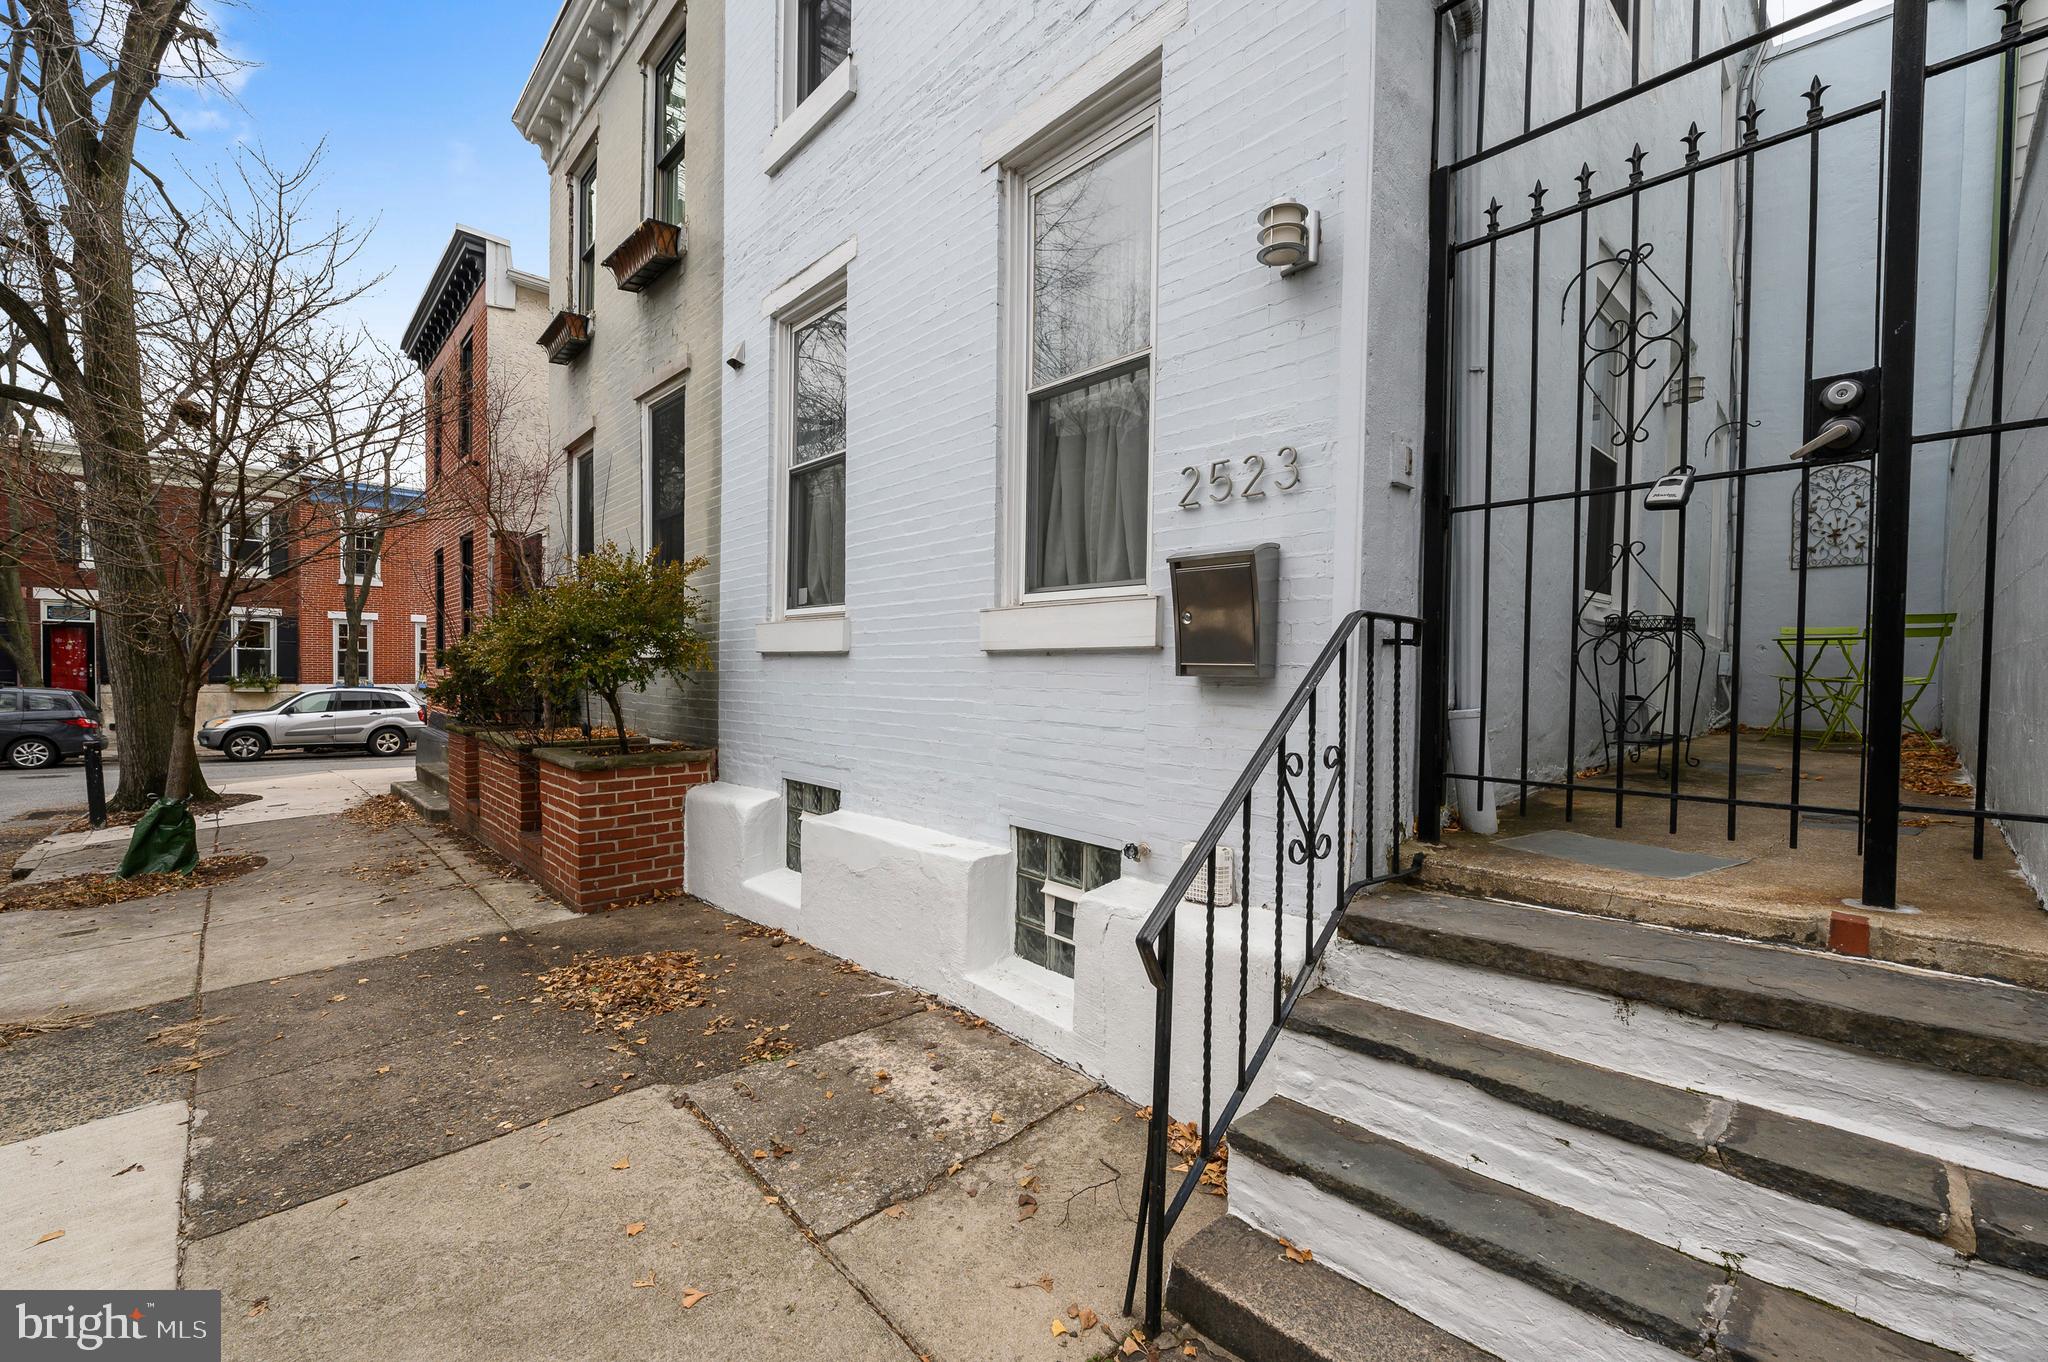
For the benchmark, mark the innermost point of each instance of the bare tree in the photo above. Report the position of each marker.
(267, 418)
(507, 475)
(80, 79)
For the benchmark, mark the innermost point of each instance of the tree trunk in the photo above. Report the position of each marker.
(17, 632)
(105, 401)
(184, 780)
(611, 702)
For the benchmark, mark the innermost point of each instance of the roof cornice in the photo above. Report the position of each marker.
(581, 49)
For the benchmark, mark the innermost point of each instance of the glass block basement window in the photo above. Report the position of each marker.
(798, 799)
(1052, 874)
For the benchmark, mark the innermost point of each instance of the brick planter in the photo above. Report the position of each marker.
(612, 822)
(463, 813)
(508, 787)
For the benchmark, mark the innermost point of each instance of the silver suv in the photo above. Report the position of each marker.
(382, 719)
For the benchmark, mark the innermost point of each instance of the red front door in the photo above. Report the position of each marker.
(70, 659)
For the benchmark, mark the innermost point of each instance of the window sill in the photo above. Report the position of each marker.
(805, 634)
(804, 121)
(1104, 624)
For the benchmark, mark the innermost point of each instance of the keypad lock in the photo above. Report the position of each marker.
(1670, 492)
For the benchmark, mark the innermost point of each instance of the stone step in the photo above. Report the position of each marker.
(1872, 1179)
(1631, 1284)
(432, 804)
(1234, 1284)
(1971, 1026)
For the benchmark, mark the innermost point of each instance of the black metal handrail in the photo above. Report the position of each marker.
(1301, 840)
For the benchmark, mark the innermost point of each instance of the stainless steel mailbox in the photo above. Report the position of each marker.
(1226, 613)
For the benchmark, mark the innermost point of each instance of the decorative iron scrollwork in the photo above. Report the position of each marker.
(1837, 517)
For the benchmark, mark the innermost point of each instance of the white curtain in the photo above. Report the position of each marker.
(1087, 503)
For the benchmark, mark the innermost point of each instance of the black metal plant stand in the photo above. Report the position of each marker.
(1631, 663)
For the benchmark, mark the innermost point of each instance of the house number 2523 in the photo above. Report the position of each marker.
(1259, 475)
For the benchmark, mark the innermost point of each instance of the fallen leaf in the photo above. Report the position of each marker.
(1074, 1311)
(760, 1153)
(692, 1296)
(622, 1165)
(383, 1068)
(1131, 1346)
(53, 1234)
(646, 1281)
(636, 1227)
(257, 1307)
(1046, 1284)
(1187, 1350)
(339, 998)
(894, 1212)
(1028, 1181)
(1058, 1327)
(995, 1118)
(341, 1203)
(1088, 1318)
(1027, 1206)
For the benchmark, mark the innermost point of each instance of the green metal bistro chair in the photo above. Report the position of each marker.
(1937, 627)
(1832, 694)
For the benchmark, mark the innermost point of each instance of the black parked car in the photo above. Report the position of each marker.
(40, 728)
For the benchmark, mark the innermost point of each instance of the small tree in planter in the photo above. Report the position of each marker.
(617, 621)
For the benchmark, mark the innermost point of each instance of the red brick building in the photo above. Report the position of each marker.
(472, 336)
(284, 634)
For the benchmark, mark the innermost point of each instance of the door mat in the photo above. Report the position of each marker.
(1634, 858)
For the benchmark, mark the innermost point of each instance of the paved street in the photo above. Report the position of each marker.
(64, 786)
(336, 1089)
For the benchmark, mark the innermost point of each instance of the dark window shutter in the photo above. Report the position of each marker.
(288, 650)
(279, 555)
(220, 666)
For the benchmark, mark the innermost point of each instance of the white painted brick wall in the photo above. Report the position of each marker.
(639, 337)
(917, 722)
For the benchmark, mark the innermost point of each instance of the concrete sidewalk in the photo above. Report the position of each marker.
(333, 1089)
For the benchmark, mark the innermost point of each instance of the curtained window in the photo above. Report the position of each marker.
(665, 476)
(1088, 435)
(817, 462)
(670, 122)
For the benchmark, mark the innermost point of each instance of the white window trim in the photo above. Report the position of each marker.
(227, 546)
(84, 530)
(809, 118)
(369, 615)
(237, 618)
(346, 578)
(809, 633)
(807, 305)
(339, 621)
(648, 401)
(573, 455)
(672, 33)
(1020, 183)
(1125, 69)
(1095, 625)
(582, 165)
(422, 658)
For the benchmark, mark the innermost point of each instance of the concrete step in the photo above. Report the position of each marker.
(1633, 1289)
(1969, 1026)
(1234, 1284)
(432, 804)
(1887, 1184)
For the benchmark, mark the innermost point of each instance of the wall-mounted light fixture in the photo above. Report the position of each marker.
(1290, 235)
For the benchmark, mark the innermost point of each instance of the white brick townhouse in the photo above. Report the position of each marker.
(999, 348)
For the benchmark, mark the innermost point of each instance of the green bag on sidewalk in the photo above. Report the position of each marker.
(166, 841)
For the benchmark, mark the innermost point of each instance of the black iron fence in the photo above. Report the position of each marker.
(1316, 816)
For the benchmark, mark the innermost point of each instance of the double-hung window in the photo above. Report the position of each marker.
(816, 459)
(1088, 281)
(466, 581)
(665, 476)
(359, 557)
(1052, 875)
(465, 393)
(420, 665)
(434, 402)
(586, 237)
(824, 35)
(670, 123)
(352, 641)
(440, 598)
(582, 489)
(245, 544)
(255, 652)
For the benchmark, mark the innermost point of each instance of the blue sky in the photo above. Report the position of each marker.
(414, 100)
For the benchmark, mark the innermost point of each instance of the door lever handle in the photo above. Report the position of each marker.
(1842, 430)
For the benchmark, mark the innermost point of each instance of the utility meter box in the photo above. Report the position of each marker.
(1226, 614)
